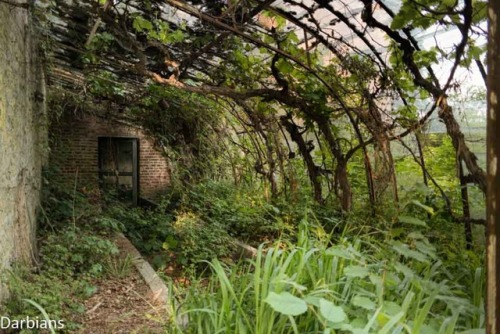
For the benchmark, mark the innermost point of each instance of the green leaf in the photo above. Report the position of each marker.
(425, 207)
(416, 236)
(280, 21)
(331, 312)
(338, 252)
(480, 11)
(412, 221)
(474, 331)
(476, 51)
(404, 269)
(356, 271)
(391, 308)
(177, 36)
(359, 331)
(391, 323)
(42, 310)
(398, 22)
(286, 303)
(312, 300)
(426, 248)
(364, 302)
(448, 3)
(140, 24)
(407, 252)
(284, 66)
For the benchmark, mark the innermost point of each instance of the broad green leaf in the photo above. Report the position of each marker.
(280, 21)
(331, 312)
(364, 302)
(284, 66)
(426, 248)
(407, 252)
(398, 22)
(286, 303)
(405, 270)
(391, 308)
(473, 331)
(338, 252)
(412, 221)
(382, 319)
(416, 236)
(423, 206)
(358, 323)
(359, 331)
(356, 271)
(480, 11)
(312, 300)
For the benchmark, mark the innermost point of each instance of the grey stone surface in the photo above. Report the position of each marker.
(22, 137)
(245, 250)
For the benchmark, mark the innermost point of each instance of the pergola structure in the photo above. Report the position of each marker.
(190, 45)
(356, 56)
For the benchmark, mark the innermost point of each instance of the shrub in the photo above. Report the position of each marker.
(198, 241)
(147, 229)
(58, 296)
(75, 252)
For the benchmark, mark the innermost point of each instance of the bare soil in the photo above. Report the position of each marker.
(120, 306)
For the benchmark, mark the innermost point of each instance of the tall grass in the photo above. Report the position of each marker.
(355, 287)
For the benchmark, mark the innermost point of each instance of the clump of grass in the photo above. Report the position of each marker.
(351, 287)
(118, 266)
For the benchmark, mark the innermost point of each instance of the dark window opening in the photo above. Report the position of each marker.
(118, 167)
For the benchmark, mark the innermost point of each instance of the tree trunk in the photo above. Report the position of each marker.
(464, 192)
(477, 175)
(342, 182)
(342, 186)
(312, 169)
(493, 173)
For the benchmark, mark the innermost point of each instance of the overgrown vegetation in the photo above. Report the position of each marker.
(314, 272)
(337, 284)
(75, 249)
(317, 149)
(200, 222)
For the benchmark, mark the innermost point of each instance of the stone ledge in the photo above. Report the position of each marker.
(245, 251)
(159, 291)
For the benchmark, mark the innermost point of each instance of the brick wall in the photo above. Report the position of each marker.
(75, 151)
(22, 137)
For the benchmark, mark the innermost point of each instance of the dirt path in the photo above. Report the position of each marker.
(122, 306)
(119, 306)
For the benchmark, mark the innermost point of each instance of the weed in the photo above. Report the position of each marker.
(118, 266)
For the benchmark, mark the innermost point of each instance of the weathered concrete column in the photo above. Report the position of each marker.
(22, 136)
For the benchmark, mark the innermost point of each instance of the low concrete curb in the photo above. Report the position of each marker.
(159, 291)
(245, 250)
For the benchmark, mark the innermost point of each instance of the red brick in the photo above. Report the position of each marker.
(77, 146)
